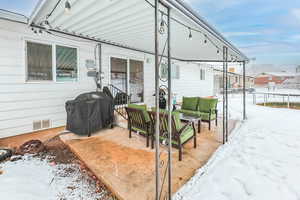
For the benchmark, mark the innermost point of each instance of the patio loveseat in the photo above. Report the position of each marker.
(206, 108)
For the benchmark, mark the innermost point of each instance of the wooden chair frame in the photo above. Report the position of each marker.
(136, 118)
(163, 130)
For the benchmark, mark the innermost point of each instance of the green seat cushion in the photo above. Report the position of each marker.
(189, 103)
(207, 104)
(205, 116)
(139, 130)
(142, 107)
(186, 135)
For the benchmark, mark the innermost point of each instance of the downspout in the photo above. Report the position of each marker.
(100, 74)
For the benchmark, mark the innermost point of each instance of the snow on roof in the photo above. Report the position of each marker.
(8, 15)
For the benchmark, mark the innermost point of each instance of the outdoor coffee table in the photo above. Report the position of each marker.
(193, 119)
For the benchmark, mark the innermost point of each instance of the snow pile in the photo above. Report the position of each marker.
(34, 179)
(261, 161)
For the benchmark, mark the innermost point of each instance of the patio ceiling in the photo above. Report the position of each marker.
(130, 24)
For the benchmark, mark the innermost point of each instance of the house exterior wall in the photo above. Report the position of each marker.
(23, 102)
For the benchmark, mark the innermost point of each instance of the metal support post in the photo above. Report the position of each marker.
(157, 152)
(170, 108)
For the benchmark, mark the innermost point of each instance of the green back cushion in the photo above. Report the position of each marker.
(207, 104)
(141, 107)
(189, 103)
(176, 115)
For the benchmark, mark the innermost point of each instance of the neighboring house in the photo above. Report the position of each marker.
(235, 81)
(39, 72)
(272, 79)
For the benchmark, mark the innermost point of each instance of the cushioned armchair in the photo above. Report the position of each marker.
(181, 133)
(206, 108)
(139, 121)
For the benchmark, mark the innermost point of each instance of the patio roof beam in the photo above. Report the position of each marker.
(90, 38)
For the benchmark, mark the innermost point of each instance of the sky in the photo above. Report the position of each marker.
(267, 30)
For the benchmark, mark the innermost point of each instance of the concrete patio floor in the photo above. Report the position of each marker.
(127, 167)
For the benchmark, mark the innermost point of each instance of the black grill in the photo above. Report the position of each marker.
(89, 113)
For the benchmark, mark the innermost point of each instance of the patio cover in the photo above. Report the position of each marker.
(130, 24)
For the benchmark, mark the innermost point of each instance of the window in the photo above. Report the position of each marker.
(202, 74)
(39, 62)
(164, 71)
(40, 66)
(66, 63)
(136, 81)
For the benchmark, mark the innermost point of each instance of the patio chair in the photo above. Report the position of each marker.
(181, 133)
(139, 121)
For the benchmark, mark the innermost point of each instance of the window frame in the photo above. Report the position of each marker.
(127, 58)
(53, 46)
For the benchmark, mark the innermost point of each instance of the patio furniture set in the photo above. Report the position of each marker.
(194, 110)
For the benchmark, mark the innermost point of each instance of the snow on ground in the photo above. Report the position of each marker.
(34, 179)
(260, 162)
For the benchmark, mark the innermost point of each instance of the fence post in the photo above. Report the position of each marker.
(288, 101)
(264, 99)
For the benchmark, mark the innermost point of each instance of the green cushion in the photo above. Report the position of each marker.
(141, 107)
(207, 104)
(175, 113)
(189, 103)
(139, 130)
(186, 135)
(189, 112)
(203, 115)
(137, 106)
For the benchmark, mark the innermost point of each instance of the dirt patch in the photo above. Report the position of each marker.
(31, 147)
(56, 152)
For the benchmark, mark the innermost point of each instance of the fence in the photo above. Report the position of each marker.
(269, 97)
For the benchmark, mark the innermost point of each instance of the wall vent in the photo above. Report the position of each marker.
(46, 123)
(37, 125)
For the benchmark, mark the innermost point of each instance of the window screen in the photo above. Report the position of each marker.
(39, 62)
(66, 63)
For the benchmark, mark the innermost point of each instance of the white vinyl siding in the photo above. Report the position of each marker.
(23, 102)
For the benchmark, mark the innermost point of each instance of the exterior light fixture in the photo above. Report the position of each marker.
(162, 27)
(218, 51)
(190, 34)
(67, 7)
(205, 39)
(162, 24)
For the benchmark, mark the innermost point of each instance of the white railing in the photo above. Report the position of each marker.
(265, 97)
